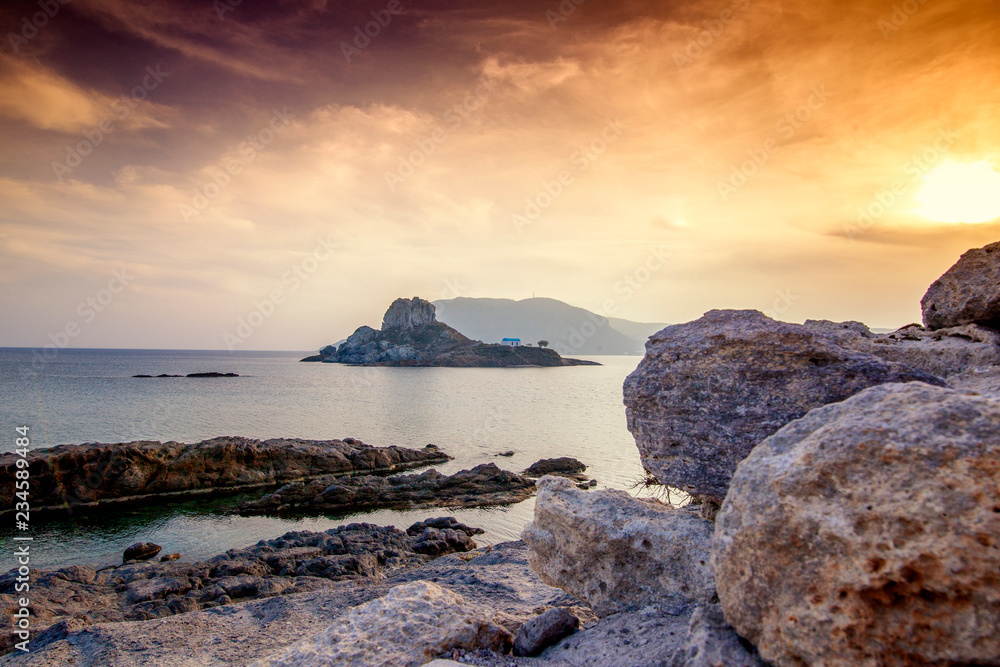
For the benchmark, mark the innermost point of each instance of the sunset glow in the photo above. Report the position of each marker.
(961, 193)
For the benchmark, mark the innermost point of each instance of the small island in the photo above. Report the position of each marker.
(412, 336)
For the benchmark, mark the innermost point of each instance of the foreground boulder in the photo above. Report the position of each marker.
(708, 391)
(410, 626)
(967, 293)
(485, 484)
(868, 533)
(86, 475)
(617, 553)
(295, 562)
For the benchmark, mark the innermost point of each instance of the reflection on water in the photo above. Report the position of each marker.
(471, 413)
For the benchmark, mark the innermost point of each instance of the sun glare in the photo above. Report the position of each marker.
(956, 192)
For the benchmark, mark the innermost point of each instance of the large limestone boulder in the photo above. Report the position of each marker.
(411, 625)
(868, 533)
(617, 553)
(408, 314)
(967, 293)
(708, 391)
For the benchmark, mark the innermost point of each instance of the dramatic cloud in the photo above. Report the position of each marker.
(768, 153)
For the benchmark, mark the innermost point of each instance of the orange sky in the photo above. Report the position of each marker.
(259, 160)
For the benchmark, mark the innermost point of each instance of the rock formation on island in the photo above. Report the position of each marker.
(708, 391)
(412, 336)
(86, 475)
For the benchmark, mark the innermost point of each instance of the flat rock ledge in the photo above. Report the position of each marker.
(92, 474)
(485, 484)
(296, 562)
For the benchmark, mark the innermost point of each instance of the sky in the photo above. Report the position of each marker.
(271, 175)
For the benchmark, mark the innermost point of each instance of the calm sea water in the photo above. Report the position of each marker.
(471, 413)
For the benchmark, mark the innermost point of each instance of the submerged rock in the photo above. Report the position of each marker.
(81, 475)
(868, 533)
(564, 466)
(615, 552)
(410, 626)
(967, 293)
(483, 485)
(141, 551)
(708, 391)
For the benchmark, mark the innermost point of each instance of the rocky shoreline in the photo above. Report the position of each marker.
(846, 513)
(92, 475)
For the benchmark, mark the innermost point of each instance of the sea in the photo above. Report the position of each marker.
(75, 396)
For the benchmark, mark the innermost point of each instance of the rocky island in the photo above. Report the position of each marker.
(412, 336)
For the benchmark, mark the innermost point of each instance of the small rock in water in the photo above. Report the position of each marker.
(509, 452)
(564, 466)
(141, 551)
(169, 557)
(544, 630)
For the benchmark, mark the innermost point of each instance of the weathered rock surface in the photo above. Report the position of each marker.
(868, 533)
(711, 642)
(296, 562)
(618, 553)
(544, 630)
(943, 353)
(411, 336)
(82, 475)
(498, 581)
(412, 624)
(967, 293)
(483, 485)
(708, 391)
(564, 466)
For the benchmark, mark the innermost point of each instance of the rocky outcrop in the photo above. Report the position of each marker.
(408, 314)
(563, 466)
(944, 353)
(86, 475)
(617, 553)
(967, 293)
(296, 562)
(496, 580)
(866, 533)
(411, 625)
(483, 485)
(711, 642)
(708, 391)
(411, 336)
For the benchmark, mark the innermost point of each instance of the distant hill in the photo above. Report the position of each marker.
(569, 330)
